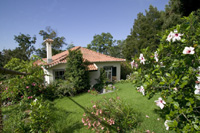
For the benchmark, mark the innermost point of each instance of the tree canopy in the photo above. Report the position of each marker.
(144, 32)
(57, 44)
(102, 43)
(23, 52)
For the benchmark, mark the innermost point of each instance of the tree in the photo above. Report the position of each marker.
(57, 44)
(23, 52)
(102, 43)
(70, 46)
(144, 32)
(26, 47)
(177, 9)
(116, 49)
(77, 71)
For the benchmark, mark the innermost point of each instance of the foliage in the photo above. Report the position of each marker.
(174, 74)
(116, 49)
(18, 87)
(57, 44)
(110, 114)
(25, 46)
(125, 70)
(24, 50)
(93, 92)
(102, 43)
(144, 33)
(26, 117)
(77, 71)
(101, 81)
(65, 88)
(40, 116)
(110, 87)
(70, 46)
(15, 121)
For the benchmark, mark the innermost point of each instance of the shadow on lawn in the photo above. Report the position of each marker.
(93, 116)
(73, 127)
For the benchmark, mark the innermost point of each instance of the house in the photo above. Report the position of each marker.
(54, 66)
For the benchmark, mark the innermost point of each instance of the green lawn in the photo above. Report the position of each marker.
(68, 114)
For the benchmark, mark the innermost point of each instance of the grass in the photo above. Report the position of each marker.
(71, 114)
(67, 114)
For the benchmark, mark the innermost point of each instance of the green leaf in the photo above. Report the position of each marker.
(197, 97)
(185, 78)
(196, 127)
(176, 82)
(162, 83)
(168, 75)
(164, 79)
(188, 104)
(176, 105)
(172, 123)
(183, 84)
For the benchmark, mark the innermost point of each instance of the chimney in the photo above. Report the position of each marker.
(49, 50)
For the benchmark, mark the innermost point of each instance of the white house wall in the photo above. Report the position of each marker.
(93, 74)
(48, 75)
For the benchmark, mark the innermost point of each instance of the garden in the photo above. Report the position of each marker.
(162, 94)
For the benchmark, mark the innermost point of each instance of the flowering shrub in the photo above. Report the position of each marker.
(173, 71)
(93, 91)
(19, 87)
(110, 115)
(110, 87)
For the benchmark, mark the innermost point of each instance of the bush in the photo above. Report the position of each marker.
(28, 117)
(101, 81)
(173, 71)
(125, 70)
(40, 116)
(93, 92)
(65, 88)
(110, 114)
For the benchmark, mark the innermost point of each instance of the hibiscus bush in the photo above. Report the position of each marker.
(172, 70)
(110, 115)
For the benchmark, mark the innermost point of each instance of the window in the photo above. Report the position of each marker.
(108, 71)
(59, 74)
(111, 73)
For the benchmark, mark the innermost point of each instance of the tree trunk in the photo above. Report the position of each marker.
(7, 71)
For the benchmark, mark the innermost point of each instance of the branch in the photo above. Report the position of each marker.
(7, 71)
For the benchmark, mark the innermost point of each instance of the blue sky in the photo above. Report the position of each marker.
(77, 20)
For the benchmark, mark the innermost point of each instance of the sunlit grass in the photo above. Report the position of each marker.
(67, 114)
(70, 120)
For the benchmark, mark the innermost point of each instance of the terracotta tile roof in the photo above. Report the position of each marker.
(92, 67)
(88, 55)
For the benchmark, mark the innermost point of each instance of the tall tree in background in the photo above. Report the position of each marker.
(26, 47)
(24, 50)
(177, 9)
(57, 44)
(102, 43)
(144, 32)
(116, 49)
(71, 45)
